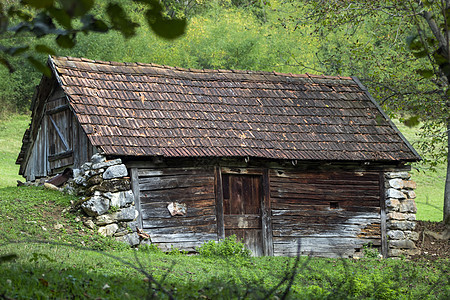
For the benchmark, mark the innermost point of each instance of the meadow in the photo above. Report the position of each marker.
(46, 252)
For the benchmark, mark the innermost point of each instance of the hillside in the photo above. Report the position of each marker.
(46, 252)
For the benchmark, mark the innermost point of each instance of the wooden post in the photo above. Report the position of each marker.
(219, 203)
(384, 245)
(137, 194)
(266, 220)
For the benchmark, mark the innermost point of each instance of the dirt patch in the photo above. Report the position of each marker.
(431, 248)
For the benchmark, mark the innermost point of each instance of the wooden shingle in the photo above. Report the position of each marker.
(147, 110)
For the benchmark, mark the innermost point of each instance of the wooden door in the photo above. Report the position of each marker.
(242, 197)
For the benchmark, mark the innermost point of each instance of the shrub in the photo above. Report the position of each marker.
(149, 248)
(228, 247)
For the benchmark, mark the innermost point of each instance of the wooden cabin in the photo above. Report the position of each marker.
(272, 158)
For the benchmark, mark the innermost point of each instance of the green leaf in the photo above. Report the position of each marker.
(169, 29)
(38, 3)
(3, 20)
(66, 41)
(420, 54)
(8, 257)
(425, 73)
(14, 51)
(77, 8)
(414, 43)
(44, 49)
(44, 69)
(120, 20)
(6, 63)
(61, 16)
(166, 28)
(440, 59)
(90, 23)
(412, 121)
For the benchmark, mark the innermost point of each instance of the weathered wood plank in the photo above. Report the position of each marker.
(326, 230)
(328, 247)
(208, 228)
(266, 216)
(324, 197)
(184, 246)
(242, 221)
(325, 205)
(305, 189)
(342, 175)
(189, 203)
(175, 171)
(178, 221)
(137, 195)
(384, 245)
(163, 212)
(357, 182)
(180, 194)
(219, 202)
(177, 181)
(182, 237)
(323, 213)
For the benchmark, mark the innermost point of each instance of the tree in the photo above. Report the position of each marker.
(65, 19)
(428, 22)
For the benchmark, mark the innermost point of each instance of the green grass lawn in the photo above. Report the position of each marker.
(67, 264)
(11, 133)
(430, 185)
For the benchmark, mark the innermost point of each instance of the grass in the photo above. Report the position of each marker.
(11, 133)
(66, 266)
(430, 184)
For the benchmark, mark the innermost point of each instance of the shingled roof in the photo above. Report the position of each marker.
(133, 109)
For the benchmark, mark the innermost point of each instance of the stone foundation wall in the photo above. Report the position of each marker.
(400, 214)
(107, 198)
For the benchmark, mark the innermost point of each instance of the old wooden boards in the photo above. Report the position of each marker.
(60, 141)
(193, 188)
(324, 214)
(275, 212)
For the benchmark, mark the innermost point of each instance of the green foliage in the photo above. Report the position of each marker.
(370, 252)
(150, 248)
(65, 20)
(175, 251)
(228, 247)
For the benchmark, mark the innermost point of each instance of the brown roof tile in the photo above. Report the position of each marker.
(147, 109)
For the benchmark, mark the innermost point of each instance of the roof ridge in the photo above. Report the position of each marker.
(194, 70)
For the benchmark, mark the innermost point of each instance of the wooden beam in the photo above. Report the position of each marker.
(61, 136)
(384, 245)
(266, 220)
(57, 109)
(219, 203)
(137, 195)
(61, 155)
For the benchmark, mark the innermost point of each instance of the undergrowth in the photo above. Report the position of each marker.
(228, 247)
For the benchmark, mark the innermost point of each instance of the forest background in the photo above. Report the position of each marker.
(277, 35)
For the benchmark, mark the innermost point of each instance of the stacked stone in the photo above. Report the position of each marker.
(108, 199)
(401, 214)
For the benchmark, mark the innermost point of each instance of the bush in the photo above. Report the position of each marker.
(228, 247)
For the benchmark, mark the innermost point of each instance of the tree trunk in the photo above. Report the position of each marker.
(447, 182)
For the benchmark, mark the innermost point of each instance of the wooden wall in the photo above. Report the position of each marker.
(193, 187)
(326, 214)
(331, 214)
(60, 141)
